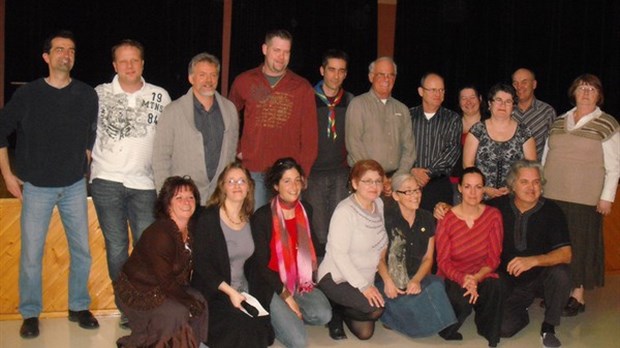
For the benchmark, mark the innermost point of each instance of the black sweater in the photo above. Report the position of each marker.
(54, 128)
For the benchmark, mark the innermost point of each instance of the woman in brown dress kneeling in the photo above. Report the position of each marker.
(153, 287)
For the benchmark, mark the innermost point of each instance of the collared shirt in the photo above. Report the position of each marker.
(211, 124)
(379, 131)
(407, 245)
(538, 118)
(437, 140)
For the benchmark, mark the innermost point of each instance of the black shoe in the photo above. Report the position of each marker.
(30, 328)
(550, 341)
(84, 318)
(452, 336)
(573, 307)
(336, 331)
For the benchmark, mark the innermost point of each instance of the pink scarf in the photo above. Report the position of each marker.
(301, 278)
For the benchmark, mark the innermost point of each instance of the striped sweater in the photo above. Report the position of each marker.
(462, 250)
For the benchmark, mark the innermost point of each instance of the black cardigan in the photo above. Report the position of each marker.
(212, 263)
(262, 230)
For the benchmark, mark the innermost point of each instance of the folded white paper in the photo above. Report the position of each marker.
(251, 300)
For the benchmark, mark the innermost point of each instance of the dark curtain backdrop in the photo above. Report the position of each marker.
(484, 41)
(316, 26)
(171, 31)
(174, 31)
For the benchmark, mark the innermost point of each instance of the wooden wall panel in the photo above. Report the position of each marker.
(55, 265)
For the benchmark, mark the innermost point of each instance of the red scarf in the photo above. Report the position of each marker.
(299, 278)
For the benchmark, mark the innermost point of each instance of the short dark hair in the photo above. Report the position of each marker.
(218, 197)
(65, 34)
(334, 54)
(586, 79)
(128, 42)
(281, 33)
(478, 95)
(170, 187)
(276, 171)
(503, 87)
(472, 170)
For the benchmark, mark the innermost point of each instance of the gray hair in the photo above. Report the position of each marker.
(371, 67)
(399, 179)
(203, 57)
(522, 164)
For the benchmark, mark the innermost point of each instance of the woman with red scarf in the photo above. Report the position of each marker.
(286, 257)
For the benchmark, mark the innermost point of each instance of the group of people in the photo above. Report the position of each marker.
(289, 204)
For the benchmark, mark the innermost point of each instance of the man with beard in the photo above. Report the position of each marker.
(197, 134)
(279, 113)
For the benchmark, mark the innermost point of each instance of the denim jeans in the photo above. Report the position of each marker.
(37, 206)
(325, 190)
(289, 330)
(261, 193)
(420, 315)
(116, 205)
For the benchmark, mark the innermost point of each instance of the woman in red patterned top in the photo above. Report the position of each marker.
(469, 244)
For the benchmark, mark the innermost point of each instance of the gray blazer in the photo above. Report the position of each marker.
(178, 147)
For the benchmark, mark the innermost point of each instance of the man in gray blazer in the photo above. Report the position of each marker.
(197, 134)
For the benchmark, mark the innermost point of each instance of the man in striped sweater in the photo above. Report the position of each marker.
(535, 114)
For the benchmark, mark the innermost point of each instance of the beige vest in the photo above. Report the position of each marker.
(574, 167)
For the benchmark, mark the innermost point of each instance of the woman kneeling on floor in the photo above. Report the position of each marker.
(416, 303)
(153, 287)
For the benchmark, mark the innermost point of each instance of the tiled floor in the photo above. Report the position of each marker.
(598, 326)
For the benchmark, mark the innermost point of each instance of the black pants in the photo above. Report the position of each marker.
(437, 190)
(553, 284)
(488, 308)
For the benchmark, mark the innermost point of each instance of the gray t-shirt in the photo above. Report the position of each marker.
(240, 247)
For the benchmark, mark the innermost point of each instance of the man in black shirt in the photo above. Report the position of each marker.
(536, 252)
(55, 119)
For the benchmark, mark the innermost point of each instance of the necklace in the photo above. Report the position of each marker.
(241, 220)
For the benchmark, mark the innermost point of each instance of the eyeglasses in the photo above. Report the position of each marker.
(386, 76)
(233, 182)
(434, 90)
(410, 192)
(370, 182)
(584, 89)
(505, 102)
